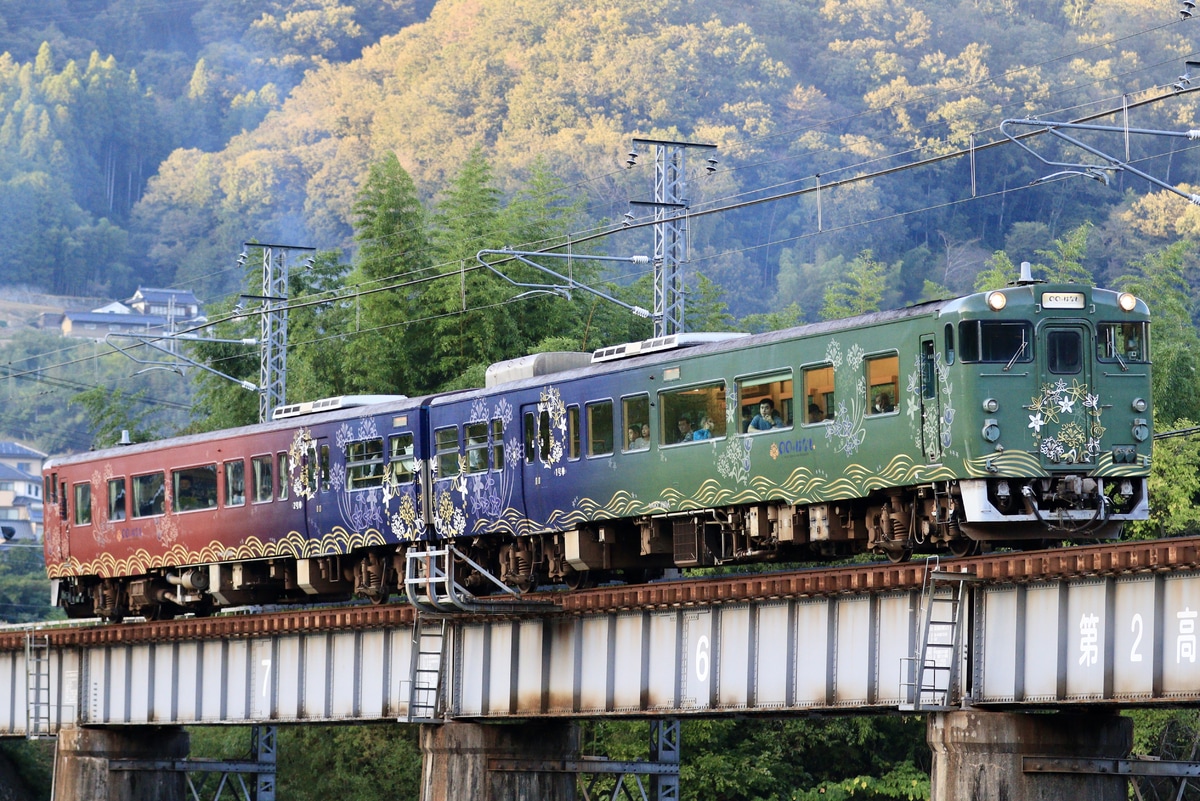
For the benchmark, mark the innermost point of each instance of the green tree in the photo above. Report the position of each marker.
(113, 412)
(1161, 280)
(860, 291)
(1066, 257)
(393, 258)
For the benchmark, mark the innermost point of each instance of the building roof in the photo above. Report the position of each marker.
(10, 473)
(10, 449)
(182, 297)
(133, 320)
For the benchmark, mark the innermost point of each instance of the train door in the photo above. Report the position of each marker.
(314, 472)
(535, 459)
(1067, 402)
(931, 403)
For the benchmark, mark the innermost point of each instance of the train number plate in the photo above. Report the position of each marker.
(1062, 300)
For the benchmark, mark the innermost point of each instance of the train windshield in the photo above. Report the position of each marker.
(999, 342)
(1123, 342)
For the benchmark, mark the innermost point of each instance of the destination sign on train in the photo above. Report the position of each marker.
(1062, 300)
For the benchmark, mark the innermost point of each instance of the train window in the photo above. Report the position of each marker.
(600, 428)
(1064, 351)
(694, 413)
(51, 495)
(544, 434)
(572, 432)
(498, 444)
(766, 402)
(1122, 342)
(324, 463)
(116, 499)
(364, 464)
(264, 483)
(635, 412)
(818, 393)
(148, 494)
(235, 483)
(285, 475)
(949, 343)
(401, 457)
(83, 504)
(477, 447)
(883, 383)
(447, 451)
(530, 436)
(996, 342)
(194, 488)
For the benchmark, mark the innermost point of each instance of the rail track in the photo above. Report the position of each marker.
(1109, 559)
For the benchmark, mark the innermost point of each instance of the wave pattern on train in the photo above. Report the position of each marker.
(1014, 417)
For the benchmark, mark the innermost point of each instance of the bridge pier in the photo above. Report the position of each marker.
(977, 756)
(456, 757)
(82, 764)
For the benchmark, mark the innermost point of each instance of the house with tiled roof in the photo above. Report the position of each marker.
(149, 311)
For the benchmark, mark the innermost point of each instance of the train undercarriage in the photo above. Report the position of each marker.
(959, 517)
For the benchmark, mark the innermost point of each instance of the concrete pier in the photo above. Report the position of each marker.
(455, 760)
(81, 765)
(977, 756)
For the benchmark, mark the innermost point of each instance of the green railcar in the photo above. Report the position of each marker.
(1014, 417)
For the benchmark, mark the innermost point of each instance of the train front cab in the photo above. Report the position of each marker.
(1058, 377)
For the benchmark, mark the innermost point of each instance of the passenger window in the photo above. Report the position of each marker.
(364, 464)
(477, 447)
(446, 440)
(194, 488)
(498, 443)
(264, 484)
(692, 414)
(324, 468)
(949, 343)
(116, 499)
(572, 432)
(635, 412)
(235, 483)
(765, 402)
(83, 504)
(284, 475)
(600, 428)
(401, 457)
(1064, 352)
(883, 383)
(148, 495)
(818, 393)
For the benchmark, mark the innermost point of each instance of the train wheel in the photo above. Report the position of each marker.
(898, 555)
(580, 579)
(964, 546)
(162, 611)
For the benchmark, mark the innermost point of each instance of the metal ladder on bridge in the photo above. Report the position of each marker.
(430, 584)
(426, 669)
(928, 680)
(37, 685)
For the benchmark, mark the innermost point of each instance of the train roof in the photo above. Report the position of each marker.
(339, 412)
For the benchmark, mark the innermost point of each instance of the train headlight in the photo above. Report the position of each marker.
(1139, 404)
(991, 430)
(996, 301)
(1126, 301)
(991, 405)
(1141, 431)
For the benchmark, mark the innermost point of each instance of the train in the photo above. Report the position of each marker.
(1013, 418)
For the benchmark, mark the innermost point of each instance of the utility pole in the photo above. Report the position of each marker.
(273, 337)
(670, 229)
